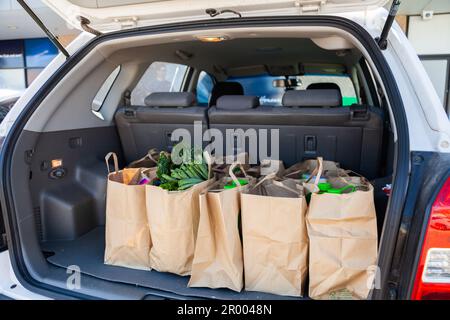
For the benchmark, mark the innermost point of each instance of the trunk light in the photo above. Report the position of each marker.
(57, 163)
(212, 38)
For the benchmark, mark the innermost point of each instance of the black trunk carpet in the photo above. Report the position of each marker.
(87, 253)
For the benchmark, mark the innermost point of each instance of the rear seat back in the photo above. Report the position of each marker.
(312, 98)
(312, 123)
(234, 109)
(150, 126)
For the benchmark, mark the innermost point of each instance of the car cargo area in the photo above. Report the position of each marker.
(317, 89)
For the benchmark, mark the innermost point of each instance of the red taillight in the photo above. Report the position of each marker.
(433, 272)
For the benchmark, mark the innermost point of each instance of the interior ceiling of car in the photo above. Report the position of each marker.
(243, 56)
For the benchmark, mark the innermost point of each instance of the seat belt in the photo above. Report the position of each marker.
(128, 110)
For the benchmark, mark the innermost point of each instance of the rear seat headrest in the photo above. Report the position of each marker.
(170, 99)
(312, 98)
(225, 88)
(237, 102)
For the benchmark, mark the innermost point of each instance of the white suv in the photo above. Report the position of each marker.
(382, 118)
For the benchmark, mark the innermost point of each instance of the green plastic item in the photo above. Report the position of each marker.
(232, 185)
(326, 188)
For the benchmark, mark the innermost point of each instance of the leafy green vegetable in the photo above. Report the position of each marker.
(167, 178)
(163, 166)
(170, 185)
(181, 177)
(187, 183)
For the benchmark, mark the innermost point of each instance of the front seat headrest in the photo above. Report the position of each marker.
(323, 85)
(312, 98)
(170, 99)
(237, 102)
(225, 88)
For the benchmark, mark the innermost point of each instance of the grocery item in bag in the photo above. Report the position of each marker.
(342, 230)
(127, 235)
(218, 249)
(275, 242)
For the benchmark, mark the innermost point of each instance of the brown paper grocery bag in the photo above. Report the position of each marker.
(267, 167)
(342, 231)
(218, 249)
(148, 161)
(127, 235)
(275, 242)
(330, 168)
(173, 219)
(221, 165)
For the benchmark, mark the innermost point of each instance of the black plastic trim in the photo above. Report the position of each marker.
(401, 166)
(432, 168)
(3, 241)
(416, 181)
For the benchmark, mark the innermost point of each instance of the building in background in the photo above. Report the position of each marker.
(427, 25)
(24, 49)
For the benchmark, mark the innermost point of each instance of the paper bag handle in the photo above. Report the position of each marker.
(272, 176)
(233, 176)
(347, 176)
(293, 173)
(268, 177)
(209, 160)
(279, 184)
(116, 162)
(150, 155)
(318, 170)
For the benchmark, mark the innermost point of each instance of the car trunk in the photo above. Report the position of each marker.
(59, 168)
(70, 213)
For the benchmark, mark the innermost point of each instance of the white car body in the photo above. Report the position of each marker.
(6, 94)
(429, 127)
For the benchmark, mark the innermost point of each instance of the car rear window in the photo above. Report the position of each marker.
(263, 87)
(159, 77)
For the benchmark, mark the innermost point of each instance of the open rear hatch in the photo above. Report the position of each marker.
(112, 15)
(85, 147)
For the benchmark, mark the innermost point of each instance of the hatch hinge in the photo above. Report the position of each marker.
(126, 22)
(310, 7)
(85, 25)
(214, 12)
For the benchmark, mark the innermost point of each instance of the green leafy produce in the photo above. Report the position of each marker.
(167, 178)
(173, 177)
(187, 183)
(164, 166)
(170, 185)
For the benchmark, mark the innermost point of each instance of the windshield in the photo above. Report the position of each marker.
(269, 94)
